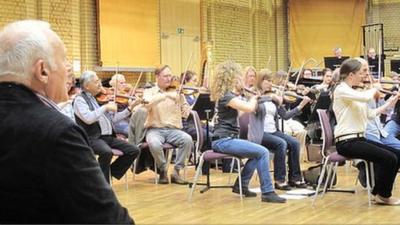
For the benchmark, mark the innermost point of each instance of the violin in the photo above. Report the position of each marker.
(104, 96)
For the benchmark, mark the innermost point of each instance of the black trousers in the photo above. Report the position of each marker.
(102, 147)
(385, 161)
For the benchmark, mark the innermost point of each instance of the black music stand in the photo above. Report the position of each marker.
(323, 102)
(334, 62)
(395, 65)
(374, 65)
(202, 104)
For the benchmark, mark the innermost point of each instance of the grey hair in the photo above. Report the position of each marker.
(24, 42)
(86, 77)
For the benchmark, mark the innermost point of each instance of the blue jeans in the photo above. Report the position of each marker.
(278, 143)
(258, 157)
(392, 128)
(390, 140)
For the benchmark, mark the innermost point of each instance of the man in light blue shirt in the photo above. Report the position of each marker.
(98, 123)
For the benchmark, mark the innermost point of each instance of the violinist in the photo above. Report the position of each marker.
(66, 107)
(118, 82)
(250, 76)
(225, 90)
(189, 79)
(307, 73)
(97, 122)
(263, 129)
(395, 78)
(375, 132)
(352, 114)
(166, 108)
(327, 81)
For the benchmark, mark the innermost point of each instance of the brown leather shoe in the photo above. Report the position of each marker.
(163, 177)
(176, 179)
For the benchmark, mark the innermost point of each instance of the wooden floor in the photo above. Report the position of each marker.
(168, 204)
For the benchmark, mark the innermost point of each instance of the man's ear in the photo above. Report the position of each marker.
(40, 71)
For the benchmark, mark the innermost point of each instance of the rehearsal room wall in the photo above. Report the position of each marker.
(387, 12)
(73, 20)
(246, 31)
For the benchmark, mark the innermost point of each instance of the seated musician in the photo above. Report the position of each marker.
(352, 114)
(338, 52)
(291, 126)
(395, 78)
(307, 73)
(263, 129)
(375, 132)
(66, 107)
(226, 88)
(327, 81)
(250, 76)
(166, 108)
(98, 123)
(118, 81)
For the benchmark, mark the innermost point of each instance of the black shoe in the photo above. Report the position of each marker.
(272, 197)
(163, 177)
(245, 191)
(297, 184)
(362, 177)
(283, 187)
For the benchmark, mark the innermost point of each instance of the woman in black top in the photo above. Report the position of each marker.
(225, 89)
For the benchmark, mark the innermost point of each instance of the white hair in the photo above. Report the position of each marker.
(116, 77)
(86, 77)
(24, 42)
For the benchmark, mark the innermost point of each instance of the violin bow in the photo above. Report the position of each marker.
(380, 58)
(116, 83)
(269, 61)
(287, 78)
(137, 84)
(184, 74)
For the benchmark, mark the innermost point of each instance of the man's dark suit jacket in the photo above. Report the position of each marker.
(48, 172)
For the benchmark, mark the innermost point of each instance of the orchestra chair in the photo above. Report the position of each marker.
(118, 153)
(244, 121)
(332, 159)
(209, 156)
(168, 150)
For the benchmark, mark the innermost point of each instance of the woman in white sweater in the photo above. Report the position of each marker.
(352, 114)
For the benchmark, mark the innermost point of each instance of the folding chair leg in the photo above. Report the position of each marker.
(135, 165)
(333, 175)
(231, 171)
(328, 175)
(155, 172)
(169, 153)
(126, 182)
(240, 178)
(196, 178)
(320, 180)
(368, 181)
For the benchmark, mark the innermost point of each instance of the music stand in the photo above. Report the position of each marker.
(395, 65)
(323, 102)
(334, 62)
(202, 104)
(374, 66)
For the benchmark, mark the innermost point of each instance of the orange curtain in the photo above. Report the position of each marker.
(317, 27)
(129, 33)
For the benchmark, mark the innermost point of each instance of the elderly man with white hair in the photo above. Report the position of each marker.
(48, 172)
(98, 122)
